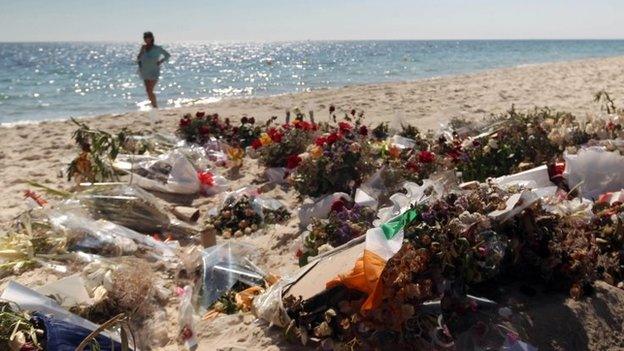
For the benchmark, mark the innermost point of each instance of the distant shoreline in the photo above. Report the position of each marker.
(54, 80)
(199, 104)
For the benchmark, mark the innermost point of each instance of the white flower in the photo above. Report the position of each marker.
(493, 144)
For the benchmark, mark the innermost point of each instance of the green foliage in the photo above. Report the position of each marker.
(98, 151)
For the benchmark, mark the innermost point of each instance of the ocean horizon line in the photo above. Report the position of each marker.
(131, 41)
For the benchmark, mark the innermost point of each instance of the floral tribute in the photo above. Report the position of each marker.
(202, 127)
(281, 146)
(236, 218)
(338, 161)
(451, 249)
(346, 221)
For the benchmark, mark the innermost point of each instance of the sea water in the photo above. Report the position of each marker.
(41, 81)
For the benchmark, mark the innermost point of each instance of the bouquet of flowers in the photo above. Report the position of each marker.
(337, 162)
(236, 218)
(346, 221)
(98, 151)
(201, 128)
(281, 146)
(519, 141)
(450, 243)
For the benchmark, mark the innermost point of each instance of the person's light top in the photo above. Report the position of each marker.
(148, 62)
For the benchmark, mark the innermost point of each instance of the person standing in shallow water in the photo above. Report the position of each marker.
(149, 59)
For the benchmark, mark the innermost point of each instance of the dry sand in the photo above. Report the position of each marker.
(41, 152)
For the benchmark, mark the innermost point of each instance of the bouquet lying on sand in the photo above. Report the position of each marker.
(408, 238)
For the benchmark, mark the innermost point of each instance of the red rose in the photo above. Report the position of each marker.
(320, 141)
(275, 135)
(256, 144)
(338, 206)
(345, 127)
(363, 131)
(454, 154)
(412, 166)
(185, 122)
(303, 125)
(334, 137)
(200, 114)
(426, 156)
(293, 161)
(204, 130)
(206, 178)
(252, 120)
(244, 120)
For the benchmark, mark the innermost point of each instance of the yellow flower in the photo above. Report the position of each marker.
(316, 151)
(265, 139)
(236, 153)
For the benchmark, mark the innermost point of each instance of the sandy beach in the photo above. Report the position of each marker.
(41, 151)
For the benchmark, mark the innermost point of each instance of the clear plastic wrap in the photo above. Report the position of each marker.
(84, 234)
(126, 205)
(104, 237)
(276, 175)
(31, 300)
(269, 305)
(319, 208)
(595, 169)
(186, 319)
(169, 173)
(223, 266)
(212, 184)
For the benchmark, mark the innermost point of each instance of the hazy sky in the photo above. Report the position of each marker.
(267, 20)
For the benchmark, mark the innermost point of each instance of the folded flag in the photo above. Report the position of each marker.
(381, 244)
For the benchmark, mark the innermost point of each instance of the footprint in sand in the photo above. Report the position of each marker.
(31, 158)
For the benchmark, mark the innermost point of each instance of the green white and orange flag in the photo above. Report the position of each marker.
(381, 244)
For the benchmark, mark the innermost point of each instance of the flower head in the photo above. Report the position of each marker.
(363, 131)
(345, 127)
(426, 156)
(293, 161)
(256, 144)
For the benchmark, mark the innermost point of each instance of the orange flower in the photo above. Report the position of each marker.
(394, 151)
(316, 151)
(236, 153)
(265, 139)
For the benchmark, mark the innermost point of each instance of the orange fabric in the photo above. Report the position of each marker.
(364, 277)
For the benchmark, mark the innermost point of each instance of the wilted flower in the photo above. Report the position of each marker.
(426, 156)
